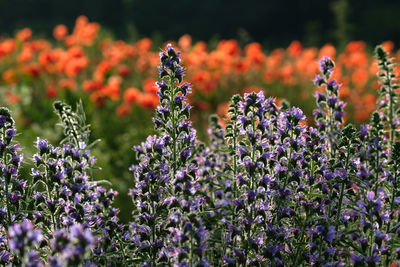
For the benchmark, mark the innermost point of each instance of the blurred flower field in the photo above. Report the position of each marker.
(116, 82)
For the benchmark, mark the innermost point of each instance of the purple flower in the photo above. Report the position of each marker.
(42, 145)
(3, 213)
(341, 174)
(318, 80)
(229, 261)
(330, 236)
(357, 259)
(34, 259)
(239, 253)
(84, 236)
(185, 154)
(298, 114)
(179, 73)
(332, 100)
(370, 196)
(3, 120)
(14, 197)
(10, 133)
(339, 115)
(242, 150)
(23, 234)
(178, 99)
(380, 237)
(185, 88)
(318, 113)
(326, 65)
(332, 84)
(5, 256)
(188, 227)
(372, 260)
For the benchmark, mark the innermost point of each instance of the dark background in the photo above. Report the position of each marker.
(273, 23)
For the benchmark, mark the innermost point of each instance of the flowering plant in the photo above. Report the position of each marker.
(268, 190)
(115, 80)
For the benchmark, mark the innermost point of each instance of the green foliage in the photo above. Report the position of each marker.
(74, 123)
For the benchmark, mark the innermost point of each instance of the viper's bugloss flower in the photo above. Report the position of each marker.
(332, 85)
(10, 133)
(326, 65)
(3, 120)
(318, 80)
(23, 235)
(42, 145)
(83, 236)
(5, 256)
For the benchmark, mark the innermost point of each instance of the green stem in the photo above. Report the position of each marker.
(391, 208)
(340, 205)
(286, 178)
(6, 189)
(301, 241)
(377, 172)
(252, 183)
(371, 241)
(174, 137)
(50, 197)
(122, 250)
(7, 204)
(392, 126)
(191, 251)
(305, 223)
(393, 197)
(289, 161)
(153, 230)
(342, 189)
(235, 170)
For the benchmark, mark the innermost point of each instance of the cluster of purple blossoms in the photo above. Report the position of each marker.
(23, 239)
(277, 192)
(388, 98)
(72, 201)
(330, 109)
(72, 247)
(60, 199)
(12, 188)
(166, 228)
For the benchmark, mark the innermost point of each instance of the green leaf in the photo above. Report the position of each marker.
(317, 195)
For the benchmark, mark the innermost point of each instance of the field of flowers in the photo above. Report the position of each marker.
(115, 80)
(270, 184)
(117, 76)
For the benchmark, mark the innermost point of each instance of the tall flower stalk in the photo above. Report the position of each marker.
(388, 98)
(166, 177)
